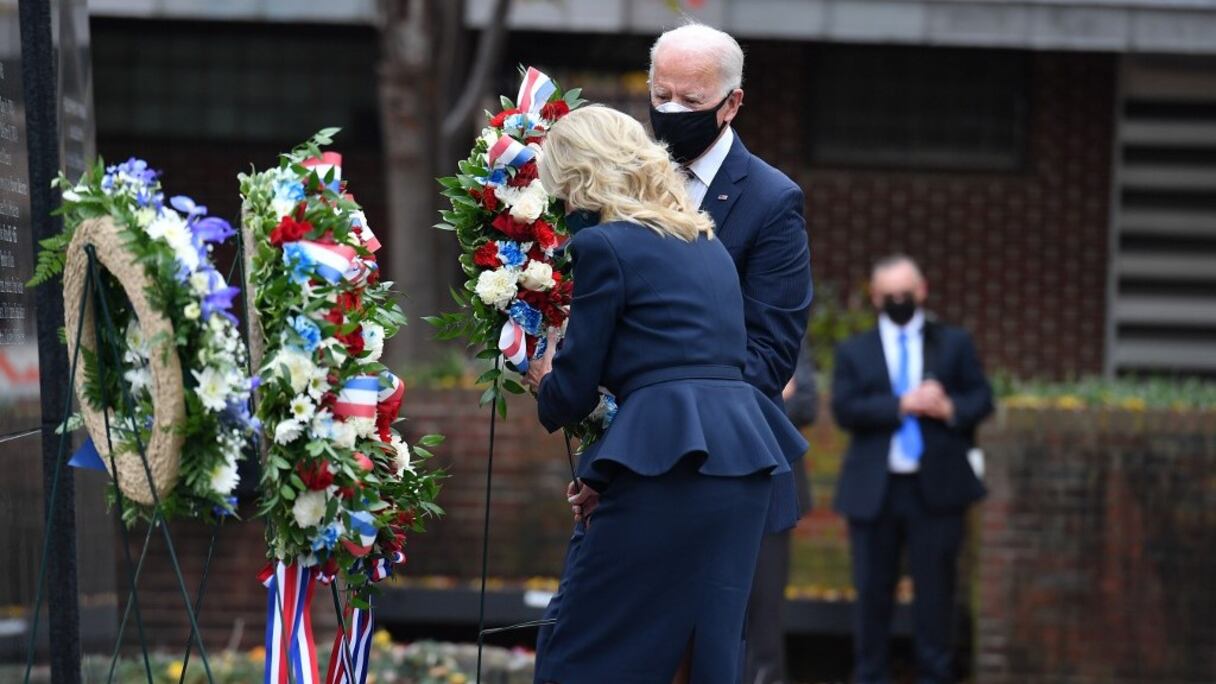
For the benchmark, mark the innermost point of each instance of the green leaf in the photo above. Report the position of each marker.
(431, 440)
(489, 395)
(513, 387)
(287, 492)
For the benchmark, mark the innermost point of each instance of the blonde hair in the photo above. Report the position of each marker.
(602, 160)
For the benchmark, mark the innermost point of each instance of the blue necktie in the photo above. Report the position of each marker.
(909, 431)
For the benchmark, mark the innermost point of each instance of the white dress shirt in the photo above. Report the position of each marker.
(898, 461)
(706, 166)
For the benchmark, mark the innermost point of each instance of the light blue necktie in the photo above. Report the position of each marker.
(909, 431)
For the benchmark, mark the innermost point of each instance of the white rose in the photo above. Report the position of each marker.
(528, 207)
(538, 276)
(497, 288)
(309, 509)
(287, 432)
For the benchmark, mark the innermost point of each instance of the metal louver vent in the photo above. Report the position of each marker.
(1163, 304)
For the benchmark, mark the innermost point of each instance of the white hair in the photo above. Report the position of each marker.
(711, 42)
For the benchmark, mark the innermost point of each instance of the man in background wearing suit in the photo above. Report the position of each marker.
(911, 394)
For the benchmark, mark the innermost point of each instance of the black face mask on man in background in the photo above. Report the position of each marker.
(687, 133)
(899, 309)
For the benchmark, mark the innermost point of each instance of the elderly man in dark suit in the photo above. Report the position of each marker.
(696, 78)
(911, 394)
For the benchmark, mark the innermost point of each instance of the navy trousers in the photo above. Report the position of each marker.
(932, 541)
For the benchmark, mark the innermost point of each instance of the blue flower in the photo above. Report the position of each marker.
(527, 317)
(299, 262)
(290, 190)
(511, 254)
(133, 178)
(308, 332)
(211, 229)
(520, 121)
(610, 410)
(187, 206)
(542, 345)
(498, 177)
(220, 301)
(327, 538)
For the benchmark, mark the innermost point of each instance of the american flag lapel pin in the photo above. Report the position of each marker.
(723, 198)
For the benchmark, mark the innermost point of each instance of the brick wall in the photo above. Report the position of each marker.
(1018, 258)
(1096, 560)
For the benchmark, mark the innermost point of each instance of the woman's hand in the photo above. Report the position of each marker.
(583, 500)
(539, 368)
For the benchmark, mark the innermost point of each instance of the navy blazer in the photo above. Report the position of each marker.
(757, 211)
(659, 323)
(865, 405)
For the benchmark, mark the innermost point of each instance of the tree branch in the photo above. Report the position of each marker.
(488, 48)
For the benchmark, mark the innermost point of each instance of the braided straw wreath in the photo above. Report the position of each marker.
(168, 393)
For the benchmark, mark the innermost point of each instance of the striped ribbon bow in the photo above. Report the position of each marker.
(513, 345)
(290, 653)
(535, 91)
(331, 262)
(509, 152)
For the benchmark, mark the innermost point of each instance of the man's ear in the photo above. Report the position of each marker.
(733, 104)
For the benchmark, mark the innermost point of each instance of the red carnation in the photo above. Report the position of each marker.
(486, 195)
(352, 340)
(346, 492)
(350, 300)
(335, 316)
(315, 475)
(386, 413)
(546, 238)
(486, 255)
(501, 117)
(521, 232)
(289, 230)
(552, 111)
(524, 176)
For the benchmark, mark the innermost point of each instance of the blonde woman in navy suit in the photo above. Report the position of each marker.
(657, 590)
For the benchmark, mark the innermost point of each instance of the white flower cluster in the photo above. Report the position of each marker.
(498, 287)
(527, 204)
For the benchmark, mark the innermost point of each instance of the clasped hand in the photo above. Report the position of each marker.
(583, 500)
(928, 400)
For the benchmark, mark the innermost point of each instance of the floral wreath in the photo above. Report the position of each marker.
(339, 486)
(171, 244)
(511, 233)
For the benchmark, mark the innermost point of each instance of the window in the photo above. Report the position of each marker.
(918, 107)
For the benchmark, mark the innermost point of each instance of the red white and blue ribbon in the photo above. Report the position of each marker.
(381, 568)
(535, 91)
(290, 653)
(353, 650)
(509, 152)
(395, 390)
(358, 397)
(363, 524)
(513, 346)
(333, 262)
(359, 223)
(323, 164)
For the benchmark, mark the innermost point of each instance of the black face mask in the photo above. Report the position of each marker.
(687, 134)
(900, 310)
(580, 219)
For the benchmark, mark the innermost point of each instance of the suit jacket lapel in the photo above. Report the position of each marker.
(878, 358)
(930, 351)
(727, 185)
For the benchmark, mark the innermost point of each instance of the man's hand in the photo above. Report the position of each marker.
(539, 368)
(928, 400)
(583, 500)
